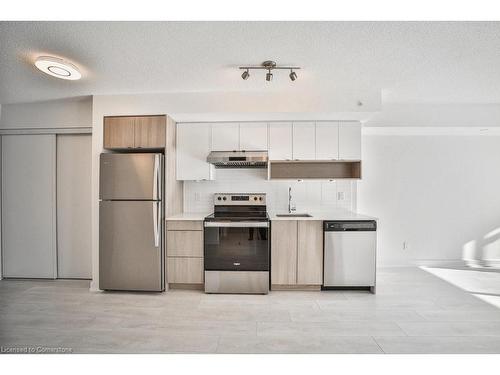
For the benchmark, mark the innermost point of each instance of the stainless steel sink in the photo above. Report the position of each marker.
(293, 215)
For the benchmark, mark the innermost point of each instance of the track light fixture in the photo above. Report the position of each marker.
(269, 66)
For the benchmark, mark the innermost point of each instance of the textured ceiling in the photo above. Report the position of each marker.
(405, 62)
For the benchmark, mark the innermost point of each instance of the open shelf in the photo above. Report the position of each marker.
(314, 169)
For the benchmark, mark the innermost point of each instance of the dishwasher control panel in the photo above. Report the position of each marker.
(348, 226)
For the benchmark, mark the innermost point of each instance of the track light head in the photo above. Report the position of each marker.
(293, 75)
(245, 74)
(269, 76)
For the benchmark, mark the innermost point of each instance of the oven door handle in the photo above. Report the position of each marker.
(237, 224)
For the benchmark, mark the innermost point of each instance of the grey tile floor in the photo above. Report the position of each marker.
(414, 311)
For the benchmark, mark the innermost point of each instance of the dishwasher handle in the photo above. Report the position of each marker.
(350, 226)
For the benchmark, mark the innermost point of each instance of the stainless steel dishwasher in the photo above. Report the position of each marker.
(349, 254)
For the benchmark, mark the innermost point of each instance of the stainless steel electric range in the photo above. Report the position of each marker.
(236, 242)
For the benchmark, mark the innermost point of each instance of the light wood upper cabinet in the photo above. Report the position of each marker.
(193, 147)
(310, 252)
(149, 132)
(327, 140)
(134, 132)
(304, 141)
(280, 141)
(225, 136)
(284, 252)
(119, 132)
(253, 136)
(350, 141)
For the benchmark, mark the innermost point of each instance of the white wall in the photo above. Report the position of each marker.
(63, 113)
(240, 106)
(427, 115)
(436, 192)
(308, 196)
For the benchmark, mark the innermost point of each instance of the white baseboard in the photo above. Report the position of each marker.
(441, 262)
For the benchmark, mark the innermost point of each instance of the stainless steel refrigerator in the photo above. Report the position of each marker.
(131, 250)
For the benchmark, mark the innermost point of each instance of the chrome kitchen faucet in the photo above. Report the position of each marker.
(291, 207)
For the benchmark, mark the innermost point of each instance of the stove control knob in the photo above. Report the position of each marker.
(260, 198)
(255, 198)
(219, 198)
(224, 198)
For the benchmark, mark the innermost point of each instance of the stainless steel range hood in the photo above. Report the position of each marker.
(238, 159)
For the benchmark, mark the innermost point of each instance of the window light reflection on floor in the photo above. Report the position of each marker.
(483, 283)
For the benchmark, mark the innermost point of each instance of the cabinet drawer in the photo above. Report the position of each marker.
(185, 243)
(185, 270)
(184, 225)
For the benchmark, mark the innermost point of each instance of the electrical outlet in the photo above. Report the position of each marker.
(197, 197)
(340, 196)
(405, 245)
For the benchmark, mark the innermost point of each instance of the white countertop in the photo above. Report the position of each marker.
(326, 215)
(189, 216)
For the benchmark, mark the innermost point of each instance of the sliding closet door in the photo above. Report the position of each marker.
(74, 255)
(28, 206)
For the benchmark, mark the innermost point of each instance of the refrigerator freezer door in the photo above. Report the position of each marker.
(130, 246)
(130, 176)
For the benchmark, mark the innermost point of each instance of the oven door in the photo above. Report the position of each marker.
(236, 246)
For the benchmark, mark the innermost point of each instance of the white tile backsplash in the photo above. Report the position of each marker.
(308, 195)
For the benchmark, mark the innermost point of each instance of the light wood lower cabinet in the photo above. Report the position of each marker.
(297, 252)
(185, 243)
(184, 240)
(310, 252)
(284, 252)
(185, 270)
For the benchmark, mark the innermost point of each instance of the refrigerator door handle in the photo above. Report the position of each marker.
(155, 176)
(156, 231)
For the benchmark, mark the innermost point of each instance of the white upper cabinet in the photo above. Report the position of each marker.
(304, 141)
(280, 141)
(225, 136)
(193, 147)
(322, 140)
(327, 140)
(350, 141)
(253, 136)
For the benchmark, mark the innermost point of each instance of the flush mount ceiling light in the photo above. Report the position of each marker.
(269, 66)
(58, 68)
